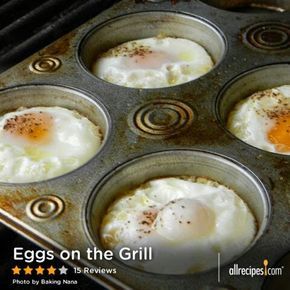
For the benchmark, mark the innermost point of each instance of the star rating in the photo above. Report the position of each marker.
(63, 270)
(39, 270)
(16, 270)
(28, 270)
(51, 270)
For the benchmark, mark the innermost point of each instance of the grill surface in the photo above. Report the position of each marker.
(28, 25)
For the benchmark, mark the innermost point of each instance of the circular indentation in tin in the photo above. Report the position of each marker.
(245, 85)
(176, 163)
(268, 36)
(45, 64)
(134, 26)
(45, 207)
(251, 6)
(161, 119)
(50, 96)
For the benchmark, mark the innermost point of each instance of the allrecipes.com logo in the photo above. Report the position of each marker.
(252, 271)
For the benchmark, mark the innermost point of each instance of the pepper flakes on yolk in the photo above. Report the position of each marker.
(279, 134)
(33, 127)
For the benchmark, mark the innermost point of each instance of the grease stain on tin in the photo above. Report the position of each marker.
(13, 201)
(60, 47)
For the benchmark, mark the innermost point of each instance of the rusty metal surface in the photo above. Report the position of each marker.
(251, 5)
(200, 128)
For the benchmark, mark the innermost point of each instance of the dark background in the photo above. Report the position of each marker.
(9, 240)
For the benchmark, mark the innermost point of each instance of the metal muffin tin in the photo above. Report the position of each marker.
(155, 132)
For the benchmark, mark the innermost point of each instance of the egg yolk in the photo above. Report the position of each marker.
(185, 219)
(34, 127)
(279, 134)
(149, 60)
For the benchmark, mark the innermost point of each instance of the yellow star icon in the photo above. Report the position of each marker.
(51, 270)
(39, 270)
(27, 270)
(16, 270)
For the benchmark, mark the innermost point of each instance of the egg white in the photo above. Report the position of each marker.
(74, 140)
(173, 61)
(180, 247)
(249, 122)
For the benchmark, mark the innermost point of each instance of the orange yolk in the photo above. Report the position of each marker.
(279, 135)
(149, 60)
(33, 127)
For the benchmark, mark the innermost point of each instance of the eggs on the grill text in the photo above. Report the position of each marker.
(153, 63)
(263, 120)
(43, 142)
(186, 220)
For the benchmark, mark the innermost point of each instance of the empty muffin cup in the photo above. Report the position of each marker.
(48, 131)
(161, 43)
(176, 168)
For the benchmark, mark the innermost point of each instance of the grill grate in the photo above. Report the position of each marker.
(28, 25)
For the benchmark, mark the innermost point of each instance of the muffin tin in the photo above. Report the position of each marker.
(156, 132)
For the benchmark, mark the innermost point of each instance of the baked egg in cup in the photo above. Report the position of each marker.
(255, 107)
(153, 49)
(48, 131)
(188, 206)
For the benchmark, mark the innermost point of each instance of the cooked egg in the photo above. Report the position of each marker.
(43, 142)
(153, 63)
(263, 120)
(186, 220)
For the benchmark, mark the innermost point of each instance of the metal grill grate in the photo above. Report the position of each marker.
(28, 25)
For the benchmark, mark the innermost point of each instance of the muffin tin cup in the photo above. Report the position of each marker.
(195, 109)
(248, 83)
(131, 27)
(28, 96)
(177, 163)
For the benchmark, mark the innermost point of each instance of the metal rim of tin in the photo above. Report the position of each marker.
(221, 95)
(45, 208)
(76, 93)
(81, 47)
(160, 119)
(93, 237)
(268, 36)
